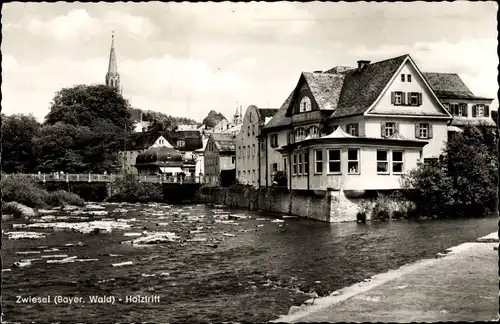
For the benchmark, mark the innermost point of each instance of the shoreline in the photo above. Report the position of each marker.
(311, 306)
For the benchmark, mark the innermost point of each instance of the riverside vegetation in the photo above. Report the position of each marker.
(20, 191)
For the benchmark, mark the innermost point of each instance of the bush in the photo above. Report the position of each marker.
(24, 190)
(280, 179)
(129, 189)
(61, 198)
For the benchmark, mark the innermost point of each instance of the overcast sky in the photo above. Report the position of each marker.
(185, 59)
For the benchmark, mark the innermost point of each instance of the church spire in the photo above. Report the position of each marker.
(113, 77)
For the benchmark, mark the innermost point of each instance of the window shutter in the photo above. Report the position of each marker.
(419, 98)
(465, 110)
(408, 101)
(396, 127)
(486, 111)
(430, 130)
(474, 111)
(417, 131)
(382, 129)
(393, 98)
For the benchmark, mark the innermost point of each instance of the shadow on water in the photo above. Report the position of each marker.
(252, 269)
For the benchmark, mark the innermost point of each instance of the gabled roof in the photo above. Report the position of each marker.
(325, 88)
(280, 119)
(361, 89)
(448, 85)
(225, 142)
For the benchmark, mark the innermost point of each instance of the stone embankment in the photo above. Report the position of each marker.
(328, 206)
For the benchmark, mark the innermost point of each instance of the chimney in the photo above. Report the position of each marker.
(362, 64)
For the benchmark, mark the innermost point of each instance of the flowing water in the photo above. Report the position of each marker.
(213, 269)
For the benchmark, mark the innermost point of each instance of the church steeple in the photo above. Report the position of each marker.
(113, 77)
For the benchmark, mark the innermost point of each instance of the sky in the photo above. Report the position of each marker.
(185, 59)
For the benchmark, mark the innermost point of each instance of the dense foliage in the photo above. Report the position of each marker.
(463, 181)
(84, 105)
(212, 119)
(26, 191)
(129, 189)
(18, 132)
(83, 132)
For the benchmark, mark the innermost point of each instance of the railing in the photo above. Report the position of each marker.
(88, 177)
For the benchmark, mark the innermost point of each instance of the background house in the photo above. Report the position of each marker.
(461, 103)
(186, 142)
(160, 160)
(247, 144)
(219, 155)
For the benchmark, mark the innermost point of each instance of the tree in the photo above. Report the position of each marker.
(212, 119)
(18, 132)
(79, 149)
(83, 105)
(464, 179)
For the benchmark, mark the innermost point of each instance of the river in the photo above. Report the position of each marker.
(246, 269)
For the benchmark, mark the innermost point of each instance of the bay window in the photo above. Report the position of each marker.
(353, 161)
(382, 161)
(334, 161)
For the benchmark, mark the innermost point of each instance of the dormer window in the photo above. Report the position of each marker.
(299, 134)
(313, 131)
(180, 143)
(305, 104)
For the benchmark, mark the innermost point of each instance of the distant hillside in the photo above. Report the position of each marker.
(161, 121)
(212, 119)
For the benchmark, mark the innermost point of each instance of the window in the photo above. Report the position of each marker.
(423, 130)
(318, 161)
(299, 134)
(243, 155)
(253, 129)
(408, 77)
(397, 161)
(239, 152)
(290, 138)
(388, 129)
(284, 163)
(253, 175)
(233, 159)
(480, 111)
(274, 167)
(262, 144)
(181, 143)
(253, 150)
(460, 110)
(294, 164)
(382, 161)
(334, 164)
(248, 133)
(248, 151)
(402, 78)
(313, 131)
(306, 163)
(353, 161)
(398, 98)
(353, 129)
(305, 104)
(300, 163)
(274, 140)
(414, 98)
